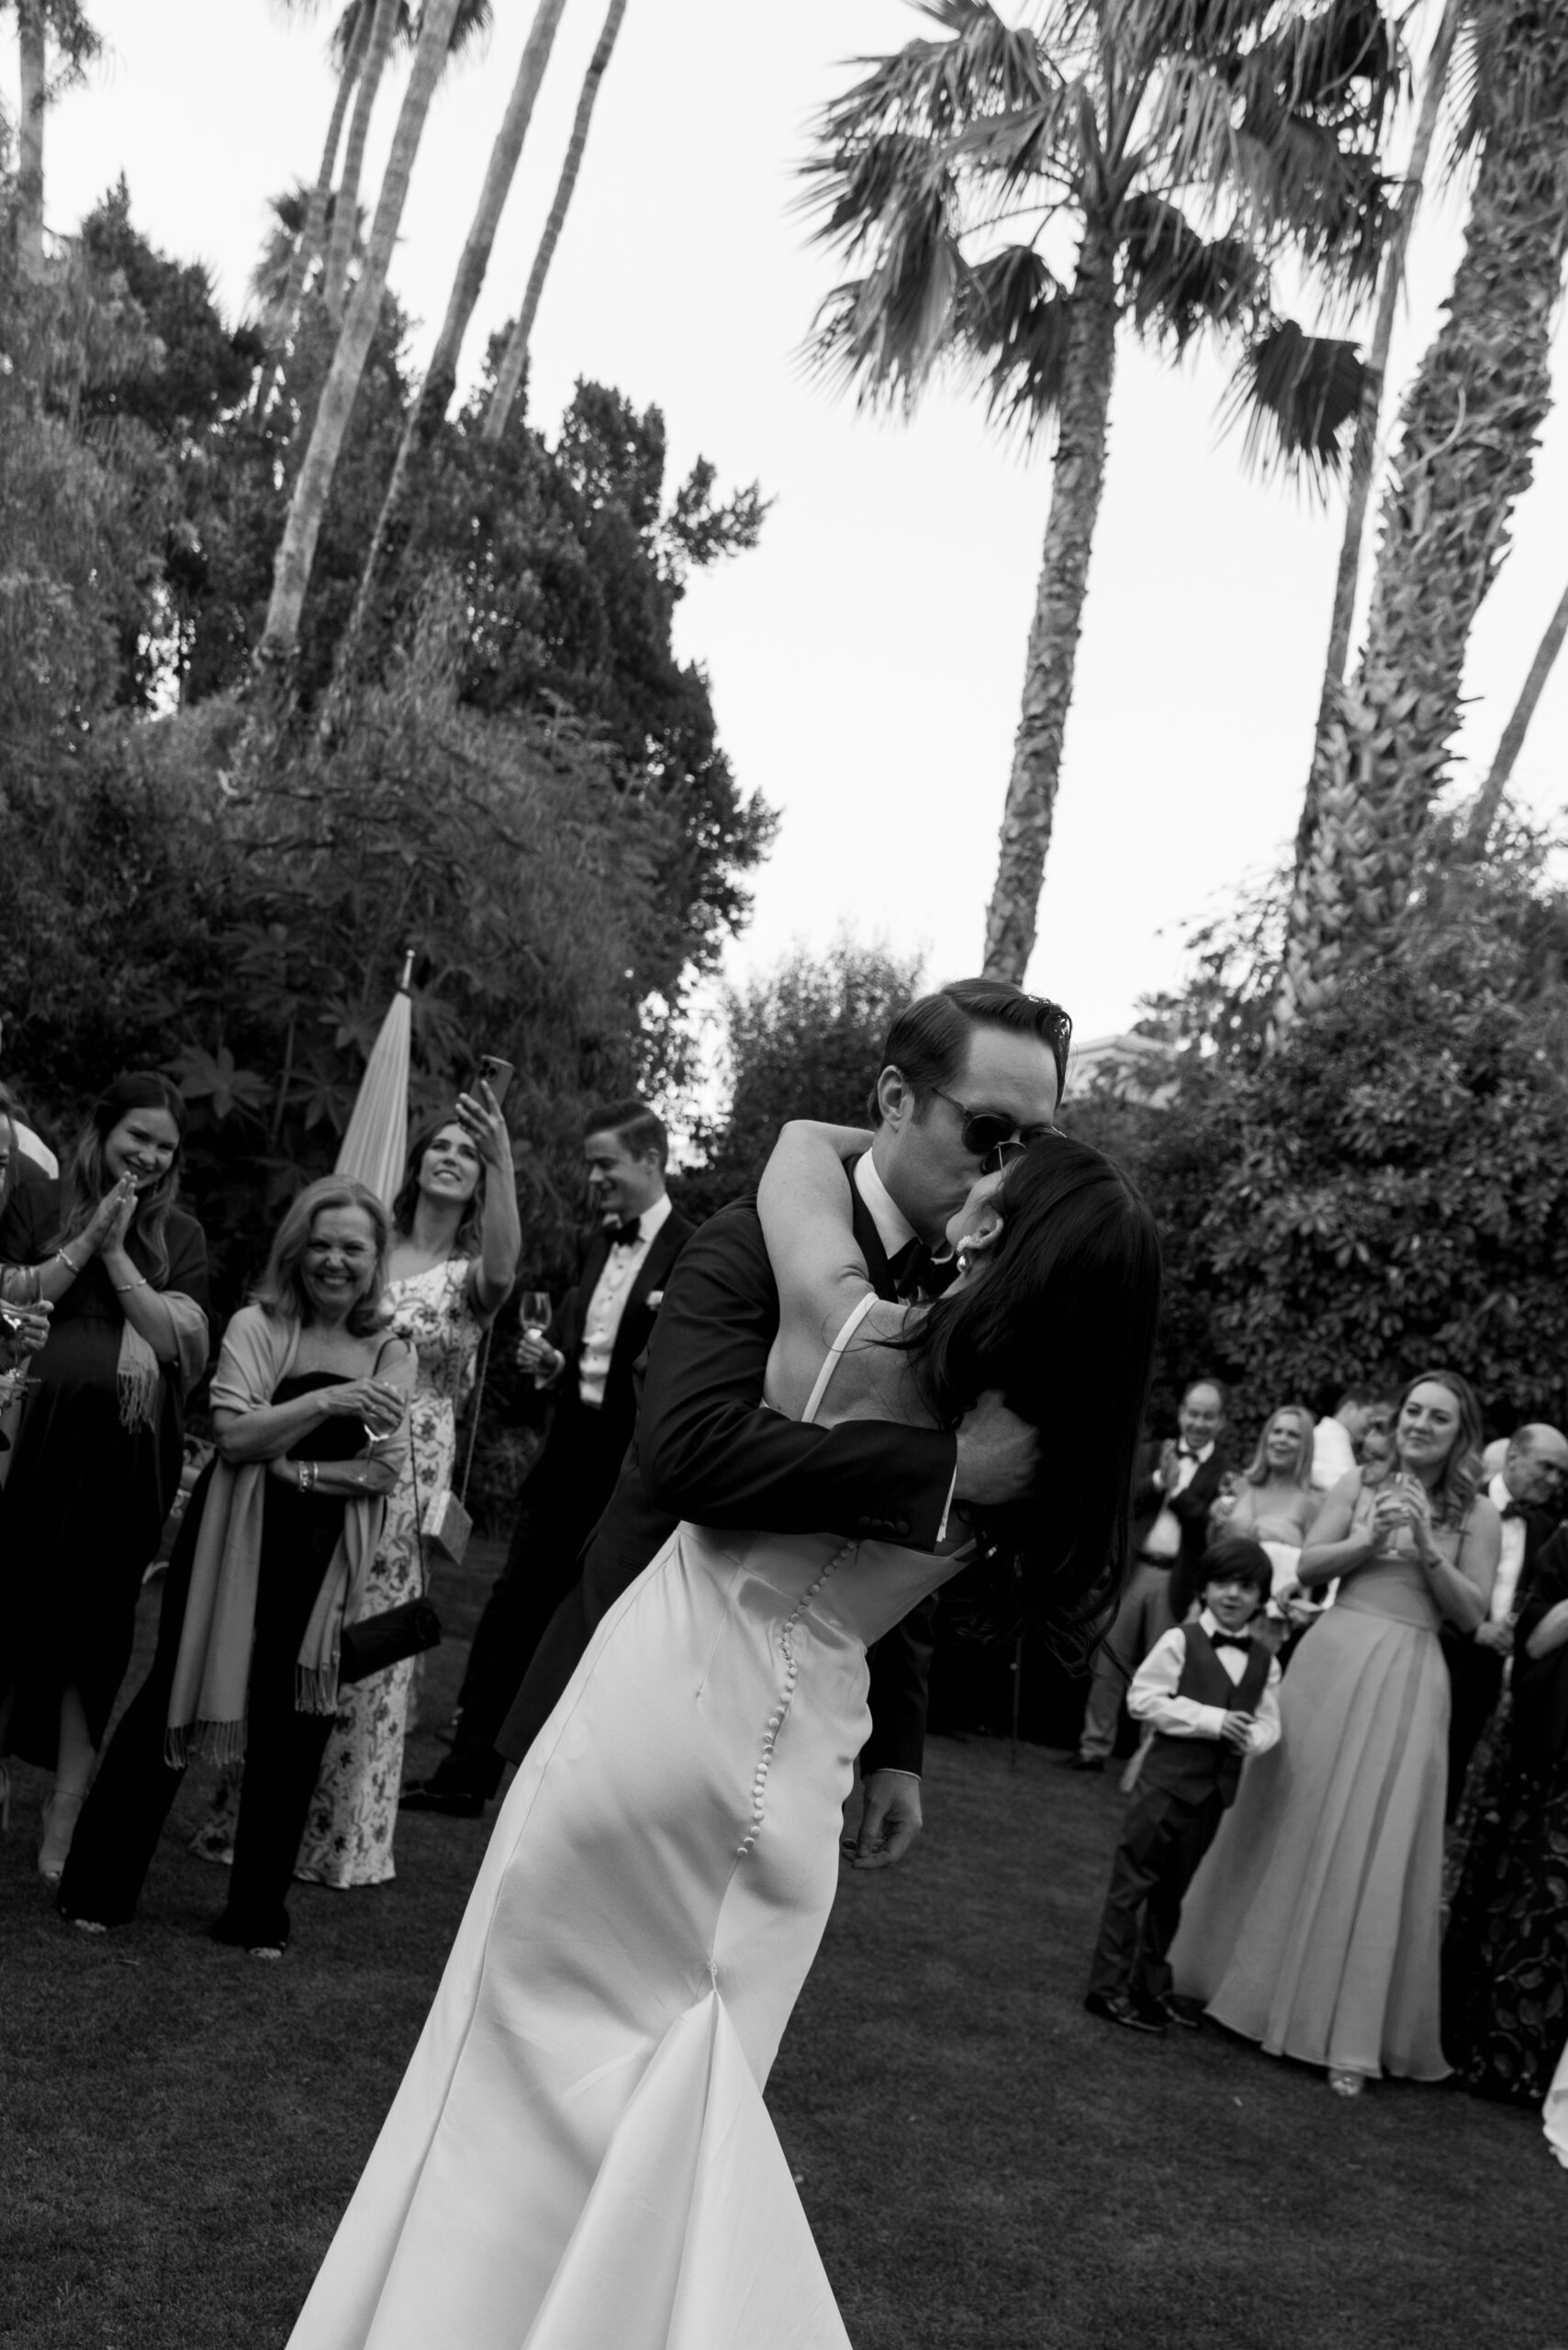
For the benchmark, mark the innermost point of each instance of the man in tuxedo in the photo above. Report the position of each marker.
(1174, 1489)
(604, 1327)
(965, 1071)
(1527, 1493)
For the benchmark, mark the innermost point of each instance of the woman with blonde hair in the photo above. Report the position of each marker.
(270, 1563)
(1272, 1502)
(99, 1445)
(1313, 1924)
(455, 1245)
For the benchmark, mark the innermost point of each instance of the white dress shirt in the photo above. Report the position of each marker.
(608, 1304)
(1152, 1698)
(1163, 1540)
(1333, 1454)
(1511, 1558)
(894, 1229)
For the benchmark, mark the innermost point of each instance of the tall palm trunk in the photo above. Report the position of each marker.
(33, 65)
(339, 249)
(297, 551)
(1322, 882)
(429, 411)
(1466, 455)
(1483, 815)
(508, 375)
(1077, 478)
(281, 326)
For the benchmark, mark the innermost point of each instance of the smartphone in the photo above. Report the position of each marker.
(498, 1075)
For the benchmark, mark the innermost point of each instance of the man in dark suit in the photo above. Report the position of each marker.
(1174, 1489)
(965, 1070)
(1528, 1493)
(604, 1327)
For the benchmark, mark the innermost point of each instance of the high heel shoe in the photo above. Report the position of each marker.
(61, 1813)
(1345, 2084)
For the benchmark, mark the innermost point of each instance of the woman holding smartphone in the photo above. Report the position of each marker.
(96, 1463)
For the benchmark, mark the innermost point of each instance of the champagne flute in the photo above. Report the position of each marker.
(535, 1313)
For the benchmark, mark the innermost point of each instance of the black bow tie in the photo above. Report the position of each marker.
(917, 1275)
(1510, 1509)
(1186, 1452)
(1229, 1640)
(624, 1236)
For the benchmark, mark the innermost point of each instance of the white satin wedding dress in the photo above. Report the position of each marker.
(579, 2156)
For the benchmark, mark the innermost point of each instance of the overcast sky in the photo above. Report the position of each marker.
(866, 660)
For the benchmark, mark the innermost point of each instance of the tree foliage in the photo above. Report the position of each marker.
(801, 1041)
(1384, 1191)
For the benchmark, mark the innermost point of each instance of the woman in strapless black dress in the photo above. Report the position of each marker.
(308, 1401)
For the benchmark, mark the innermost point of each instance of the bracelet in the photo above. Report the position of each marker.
(69, 1262)
(308, 1471)
(121, 1288)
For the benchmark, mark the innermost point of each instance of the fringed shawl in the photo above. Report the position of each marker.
(207, 1706)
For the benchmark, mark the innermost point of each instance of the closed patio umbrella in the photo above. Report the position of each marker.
(376, 1142)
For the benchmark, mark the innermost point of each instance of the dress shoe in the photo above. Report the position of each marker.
(419, 1796)
(1114, 2007)
(1080, 1762)
(1187, 2013)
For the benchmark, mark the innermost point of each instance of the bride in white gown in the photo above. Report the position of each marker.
(579, 2156)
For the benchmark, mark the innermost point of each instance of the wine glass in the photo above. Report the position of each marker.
(535, 1313)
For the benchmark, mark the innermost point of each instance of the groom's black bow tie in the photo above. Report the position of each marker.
(624, 1236)
(1229, 1640)
(1510, 1509)
(917, 1274)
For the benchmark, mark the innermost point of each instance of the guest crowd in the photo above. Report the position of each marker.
(1347, 1663)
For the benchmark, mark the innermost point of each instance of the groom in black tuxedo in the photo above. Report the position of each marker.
(962, 1069)
(602, 1331)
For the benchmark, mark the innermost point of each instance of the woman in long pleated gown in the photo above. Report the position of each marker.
(579, 2157)
(1313, 1925)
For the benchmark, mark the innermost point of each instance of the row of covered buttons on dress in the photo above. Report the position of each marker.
(775, 1720)
(896, 1526)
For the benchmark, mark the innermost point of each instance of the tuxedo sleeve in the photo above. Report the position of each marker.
(708, 1449)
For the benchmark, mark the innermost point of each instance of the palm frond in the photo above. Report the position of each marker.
(1177, 281)
(1296, 393)
(1055, 138)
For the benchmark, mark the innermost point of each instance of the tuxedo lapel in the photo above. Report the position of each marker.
(663, 1249)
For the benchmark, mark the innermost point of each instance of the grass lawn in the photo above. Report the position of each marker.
(987, 2169)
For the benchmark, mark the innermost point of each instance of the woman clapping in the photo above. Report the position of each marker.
(272, 1560)
(1313, 1924)
(97, 1454)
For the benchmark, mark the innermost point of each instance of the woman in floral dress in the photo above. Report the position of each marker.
(455, 1249)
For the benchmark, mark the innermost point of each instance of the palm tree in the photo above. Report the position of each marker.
(1187, 143)
(1465, 456)
(78, 45)
(350, 43)
(276, 655)
(428, 410)
(509, 376)
(1483, 814)
(392, 20)
(383, 24)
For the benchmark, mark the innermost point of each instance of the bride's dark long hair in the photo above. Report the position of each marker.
(1062, 1319)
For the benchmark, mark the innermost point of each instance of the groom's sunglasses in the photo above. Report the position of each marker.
(991, 1135)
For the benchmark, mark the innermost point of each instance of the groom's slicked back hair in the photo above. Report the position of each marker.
(928, 1041)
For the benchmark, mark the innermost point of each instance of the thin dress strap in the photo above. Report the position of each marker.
(856, 1315)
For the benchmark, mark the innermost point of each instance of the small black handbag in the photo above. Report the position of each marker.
(378, 1642)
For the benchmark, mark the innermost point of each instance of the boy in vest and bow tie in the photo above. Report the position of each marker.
(1209, 1690)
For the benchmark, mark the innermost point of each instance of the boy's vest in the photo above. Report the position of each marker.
(1192, 1767)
